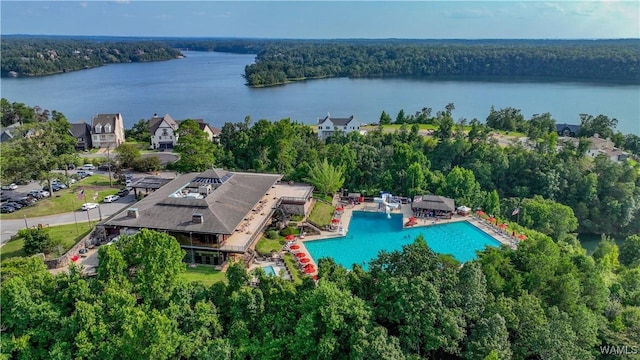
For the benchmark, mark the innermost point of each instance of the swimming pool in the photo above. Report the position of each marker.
(269, 270)
(369, 233)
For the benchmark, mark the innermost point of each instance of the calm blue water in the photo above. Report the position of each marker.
(369, 233)
(210, 86)
(269, 271)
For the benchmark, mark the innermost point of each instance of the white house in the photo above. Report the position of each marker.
(163, 132)
(327, 126)
(107, 130)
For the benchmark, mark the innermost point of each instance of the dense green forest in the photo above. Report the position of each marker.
(597, 60)
(546, 300)
(35, 57)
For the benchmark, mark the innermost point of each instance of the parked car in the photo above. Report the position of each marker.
(84, 173)
(87, 167)
(53, 188)
(27, 201)
(89, 206)
(111, 198)
(15, 205)
(123, 192)
(4, 198)
(45, 193)
(59, 184)
(11, 186)
(5, 209)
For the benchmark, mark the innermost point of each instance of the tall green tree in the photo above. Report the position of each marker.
(326, 177)
(195, 150)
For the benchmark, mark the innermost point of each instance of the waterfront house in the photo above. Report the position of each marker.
(328, 125)
(82, 133)
(107, 131)
(163, 132)
(567, 130)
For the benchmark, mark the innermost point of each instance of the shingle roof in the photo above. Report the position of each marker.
(104, 119)
(433, 202)
(154, 123)
(572, 128)
(223, 209)
(80, 129)
(336, 121)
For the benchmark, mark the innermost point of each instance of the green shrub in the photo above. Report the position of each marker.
(272, 234)
(288, 231)
(36, 241)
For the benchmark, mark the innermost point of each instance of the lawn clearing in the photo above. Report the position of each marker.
(68, 235)
(207, 275)
(267, 246)
(321, 213)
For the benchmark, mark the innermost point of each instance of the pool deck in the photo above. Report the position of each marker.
(499, 235)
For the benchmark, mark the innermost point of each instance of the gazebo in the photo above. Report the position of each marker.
(433, 206)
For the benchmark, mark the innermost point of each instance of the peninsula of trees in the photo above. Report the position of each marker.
(545, 60)
(37, 57)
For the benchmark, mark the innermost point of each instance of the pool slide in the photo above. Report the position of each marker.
(386, 199)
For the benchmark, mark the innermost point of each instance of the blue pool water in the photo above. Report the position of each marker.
(269, 271)
(369, 233)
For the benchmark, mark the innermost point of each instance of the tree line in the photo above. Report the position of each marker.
(46, 56)
(614, 60)
(546, 300)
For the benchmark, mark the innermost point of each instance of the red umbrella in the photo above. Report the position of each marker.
(491, 219)
(315, 277)
(305, 260)
(340, 208)
(413, 218)
(74, 258)
(480, 212)
(290, 237)
(301, 255)
(334, 220)
(522, 237)
(309, 266)
(294, 247)
(502, 226)
(309, 270)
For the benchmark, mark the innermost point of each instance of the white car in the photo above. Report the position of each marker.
(87, 167)
(89, 206)
(9, 187)
(111, 198)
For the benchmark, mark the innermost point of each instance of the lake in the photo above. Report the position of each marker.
(210, 86)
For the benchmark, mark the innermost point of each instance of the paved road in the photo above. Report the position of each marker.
(8, 228)
(11, 227)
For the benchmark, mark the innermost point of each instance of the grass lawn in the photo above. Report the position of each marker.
(66, 200)
(321, 213)
(267, 246)
(68, 235)
(296, 274)
(207, 275)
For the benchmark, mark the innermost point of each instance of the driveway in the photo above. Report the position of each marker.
(164, 157)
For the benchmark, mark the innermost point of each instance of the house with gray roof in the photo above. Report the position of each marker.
(328, 125)
(82, 133)
(107, 131)
(207, 212)
(163, 132)
(567, 130)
